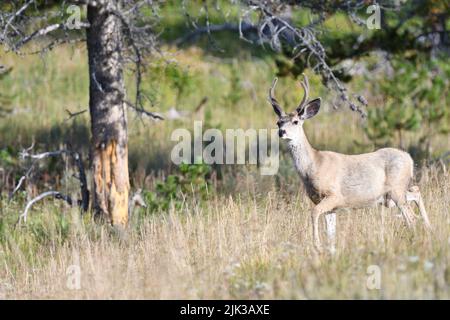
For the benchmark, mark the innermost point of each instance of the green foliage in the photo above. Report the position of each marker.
(168, 83)
(236, 91)
(416, 97)
(46, 231)
(287, 66)
(179, 78)
(191, 180)
(6, 158)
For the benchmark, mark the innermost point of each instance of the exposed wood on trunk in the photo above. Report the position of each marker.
(108, 115)
(111, 182)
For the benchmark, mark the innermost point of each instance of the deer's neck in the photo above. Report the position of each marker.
(303, 154)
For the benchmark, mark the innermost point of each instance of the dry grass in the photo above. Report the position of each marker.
(259, 247)
(251, 239)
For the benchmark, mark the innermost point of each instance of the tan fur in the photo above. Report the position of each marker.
(334, 180)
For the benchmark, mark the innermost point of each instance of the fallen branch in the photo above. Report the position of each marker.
(25, 154)
(84, 203)
(55, 194)
(19, 184)
(25, 176)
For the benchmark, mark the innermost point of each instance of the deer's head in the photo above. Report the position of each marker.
(289, 124)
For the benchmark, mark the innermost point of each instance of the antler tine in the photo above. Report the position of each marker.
(305, 85)
(305, 77)
(273, 101)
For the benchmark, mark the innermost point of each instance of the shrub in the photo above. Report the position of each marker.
(192, 180)
(416, 98)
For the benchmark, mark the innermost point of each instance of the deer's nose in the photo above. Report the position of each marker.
(281, 133)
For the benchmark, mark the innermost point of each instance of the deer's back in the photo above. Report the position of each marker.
(360, 180)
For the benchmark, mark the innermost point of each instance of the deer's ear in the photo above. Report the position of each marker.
(311, 109)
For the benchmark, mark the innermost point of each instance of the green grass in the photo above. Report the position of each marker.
(249, 239)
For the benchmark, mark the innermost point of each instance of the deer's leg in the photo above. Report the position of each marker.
(330, 219)
(400, 200)
(326, 205)
(315, 215)
(413, 194)
(382, 223)
(407, 214)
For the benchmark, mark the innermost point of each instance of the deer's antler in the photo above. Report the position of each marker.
(305, 85)
(273, 101)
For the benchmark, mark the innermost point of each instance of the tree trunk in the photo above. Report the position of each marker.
(108, 115)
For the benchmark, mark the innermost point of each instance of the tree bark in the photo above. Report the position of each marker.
(108, 115)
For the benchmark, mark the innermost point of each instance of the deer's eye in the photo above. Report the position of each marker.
(295, 122)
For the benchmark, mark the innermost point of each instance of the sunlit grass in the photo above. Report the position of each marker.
(257, 247)
(251, 239)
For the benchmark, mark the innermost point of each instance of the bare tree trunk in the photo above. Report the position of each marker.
(108, 115)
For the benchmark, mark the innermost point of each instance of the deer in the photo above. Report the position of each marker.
(334, 181)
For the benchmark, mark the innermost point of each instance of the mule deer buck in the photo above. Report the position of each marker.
(334, 180)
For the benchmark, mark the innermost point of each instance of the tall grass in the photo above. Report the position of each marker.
(255, 246)
(250, 239)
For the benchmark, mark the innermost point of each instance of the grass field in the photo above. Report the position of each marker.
(249, 237)
(243, 246)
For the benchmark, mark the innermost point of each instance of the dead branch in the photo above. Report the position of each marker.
(152, 115)
(74, 114)
(44, 31)
(57, 195)
(14, 16)
(276, 28)
(25, 154)
(15, 24)
(83, 182)
(84, 203)
(19, 184)
(52, 45)
(201, 104)
(20, 25)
